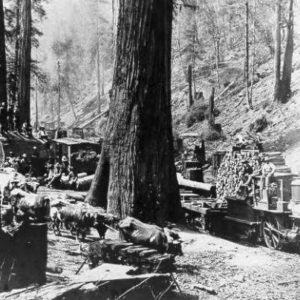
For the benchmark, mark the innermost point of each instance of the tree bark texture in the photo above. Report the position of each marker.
(97, 195)
(25, 61)
(288, 57)
(98, 80)
(190, 82)
(139, 142)
(3, 91)
(277, 62)
(211, 117)
(14, 88)
(249, 100)
(253, 51)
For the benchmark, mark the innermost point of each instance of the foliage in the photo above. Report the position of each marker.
(196, 113)
(210, 133)
(213, 31)
(76, 45)
(259, 124)
(12, 34)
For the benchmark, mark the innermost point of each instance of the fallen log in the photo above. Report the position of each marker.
(84, 183)
(225, 90)
(202, 287)
(194, 184)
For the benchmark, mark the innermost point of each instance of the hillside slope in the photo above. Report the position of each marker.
(283, 130)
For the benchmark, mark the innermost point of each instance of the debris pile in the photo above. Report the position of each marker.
(104, 282)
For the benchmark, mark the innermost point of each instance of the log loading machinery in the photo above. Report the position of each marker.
(244, 205)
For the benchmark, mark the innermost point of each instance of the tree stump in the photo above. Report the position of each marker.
(23, 256)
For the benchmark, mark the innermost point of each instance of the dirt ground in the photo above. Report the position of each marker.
(235, 270)
(232, 269)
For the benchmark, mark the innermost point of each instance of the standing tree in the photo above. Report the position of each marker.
(282, 84)
(211, 109)
(25, 61)
(3, 94)
(288, 57)
(246, 69)
(253, 50)
(138, 149)
(14, 82)
(277, 62)
(190, 82)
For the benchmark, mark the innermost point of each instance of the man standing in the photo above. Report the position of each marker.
(3, 117)
(267, 170)
(16, 119)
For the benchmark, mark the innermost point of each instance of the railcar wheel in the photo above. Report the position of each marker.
(271, 235)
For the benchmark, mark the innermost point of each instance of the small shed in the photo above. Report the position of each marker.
(68, 146)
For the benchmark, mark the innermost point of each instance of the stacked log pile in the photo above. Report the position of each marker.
(232, 170)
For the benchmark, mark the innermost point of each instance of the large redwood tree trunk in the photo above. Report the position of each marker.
(3, 92)
(139, 145)
(25, 61)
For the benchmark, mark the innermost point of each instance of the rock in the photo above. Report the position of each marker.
(239, 278)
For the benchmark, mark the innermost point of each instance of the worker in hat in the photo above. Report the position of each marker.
(14, 183)
(65, 165)
(48, 175)
(55, 181)
(35, 162)
(16, 119)
(15, 164)
(246, 167)
(24, 167)
(72, 178)
(267, 170)
(10, 157)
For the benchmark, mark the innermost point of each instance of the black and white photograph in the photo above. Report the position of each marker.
(149, 149)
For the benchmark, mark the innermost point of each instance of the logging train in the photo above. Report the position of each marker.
(242, 204)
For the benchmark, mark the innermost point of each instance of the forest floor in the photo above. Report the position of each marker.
(234, 270)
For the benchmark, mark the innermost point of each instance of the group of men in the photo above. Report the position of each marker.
(57, 174)
(10, 120)
(21, 164)
(60, 175)
(265, 172)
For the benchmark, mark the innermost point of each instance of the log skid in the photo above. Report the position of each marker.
(143, 258)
